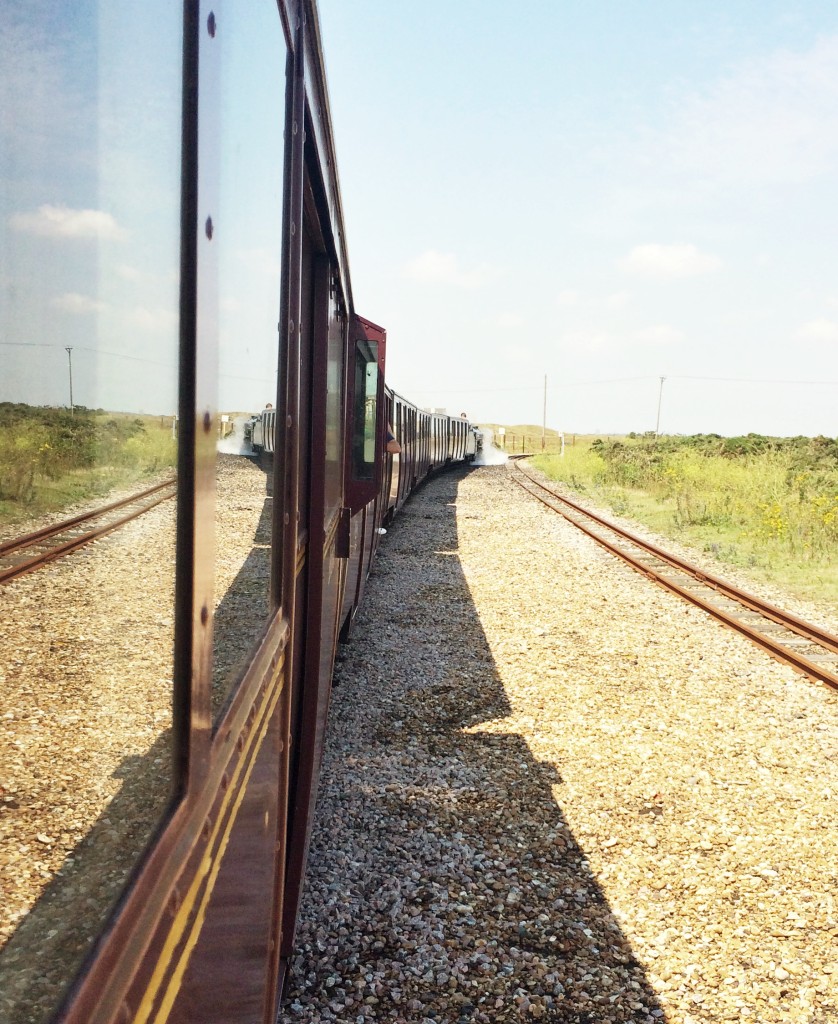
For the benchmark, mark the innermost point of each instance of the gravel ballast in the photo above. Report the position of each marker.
(85, 727)
(552, 791)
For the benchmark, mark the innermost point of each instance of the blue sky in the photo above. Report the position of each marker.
(601, 193)
(90, 171)
(89, 209)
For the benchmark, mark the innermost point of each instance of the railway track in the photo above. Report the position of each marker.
(24, 554)
(808, 648)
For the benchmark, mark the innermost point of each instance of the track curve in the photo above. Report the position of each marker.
(808, 648)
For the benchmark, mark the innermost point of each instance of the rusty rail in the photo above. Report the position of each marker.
(54, 547)
(700, 587)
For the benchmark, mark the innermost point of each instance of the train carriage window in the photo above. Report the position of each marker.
(246, 166)
(90, 250)
(334, 401)
(364, 411)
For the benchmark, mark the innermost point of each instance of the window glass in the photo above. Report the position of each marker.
(89, 267)
(248, 240)
(334, 407)
(365, 402)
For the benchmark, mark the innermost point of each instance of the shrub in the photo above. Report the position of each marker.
(43, 448)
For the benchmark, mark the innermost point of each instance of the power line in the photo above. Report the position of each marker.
(606, 380)
(138, 359)
(96, 351)
(28, 344)
(754, 380)
(619, 380)
(533, 387)
(469, 391)
(459, 391)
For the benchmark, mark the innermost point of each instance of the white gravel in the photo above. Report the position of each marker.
(554, 792)
(86, 676)
(85, 726)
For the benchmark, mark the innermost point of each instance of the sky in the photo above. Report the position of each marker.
(90, 135)
(89, 204)
(635, 200)
(600, 194)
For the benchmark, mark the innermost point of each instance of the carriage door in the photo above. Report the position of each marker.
(398, 461)
(320, 571)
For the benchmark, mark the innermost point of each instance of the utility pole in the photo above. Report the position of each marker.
(660, 396)
(544, 416)
(69, 349)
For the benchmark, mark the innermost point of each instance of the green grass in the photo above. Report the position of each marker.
(770, 508)
(50, 459)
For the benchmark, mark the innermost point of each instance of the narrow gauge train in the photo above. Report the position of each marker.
(427, 441)
(202, 924)
(377, 482)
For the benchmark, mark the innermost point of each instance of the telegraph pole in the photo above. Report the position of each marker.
(544, 416)
(660, 396)
(69, 349)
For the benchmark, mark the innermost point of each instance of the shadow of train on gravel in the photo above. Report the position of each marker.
(492, 885)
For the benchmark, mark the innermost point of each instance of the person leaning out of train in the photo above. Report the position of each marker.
(391, 445)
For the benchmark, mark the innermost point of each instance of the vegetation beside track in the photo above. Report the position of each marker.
(767, 504)
(51, 458)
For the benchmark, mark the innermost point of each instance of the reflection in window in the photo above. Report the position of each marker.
(248, 241)
(89, 236)
(335, 367)
(364, 411)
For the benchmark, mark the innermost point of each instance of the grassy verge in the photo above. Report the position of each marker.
(50, 459)
(770, 508)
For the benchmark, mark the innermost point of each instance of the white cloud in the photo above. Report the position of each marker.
(659, 334)
(444, 268)
(128, 273)
(567, 297)
(154, 319)
(509, 320)
(64, 222)
(820, 331)
(588, 341)
(616, 300)
(147, 278)
(78, 305)
(773, 119)
(594, 340)
(669, 261)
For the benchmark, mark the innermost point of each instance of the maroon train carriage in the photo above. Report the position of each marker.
(377, 483)
(166, 887)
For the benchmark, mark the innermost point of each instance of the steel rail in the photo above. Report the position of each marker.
(800, 628)
(56, 529)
